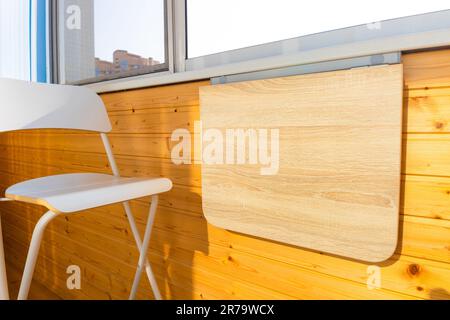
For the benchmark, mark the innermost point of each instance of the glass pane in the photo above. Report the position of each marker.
(15, 39)
(23, 40)
(107, 39)
(217, 25)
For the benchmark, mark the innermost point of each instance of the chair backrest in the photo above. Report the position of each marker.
(26, 105)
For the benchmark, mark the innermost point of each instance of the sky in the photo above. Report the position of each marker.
(218, 25)
(133, 25)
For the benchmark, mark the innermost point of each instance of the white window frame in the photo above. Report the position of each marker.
(419, 32)
(57, 43)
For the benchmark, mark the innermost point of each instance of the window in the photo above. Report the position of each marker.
(108, 39)
(216, 25)
(23, 40)
(94, 41)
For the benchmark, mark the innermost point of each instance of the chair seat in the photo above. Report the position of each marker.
(70, 193)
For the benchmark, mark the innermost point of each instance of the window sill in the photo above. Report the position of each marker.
(406, 42)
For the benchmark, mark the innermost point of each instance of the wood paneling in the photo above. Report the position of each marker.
(193, 259)
(427, 70)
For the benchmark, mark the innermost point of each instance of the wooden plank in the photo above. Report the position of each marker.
(40, 162)
(38, 291)
(177, 95)
(155, 120)
(426, 197)
(427, 111)
(427, 154)
(427, 69)
(426, 238)
(338, 182)
(138, 145)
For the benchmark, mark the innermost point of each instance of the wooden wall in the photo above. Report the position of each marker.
(194, 260)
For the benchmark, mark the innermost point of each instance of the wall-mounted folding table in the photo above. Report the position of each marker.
(338, 185)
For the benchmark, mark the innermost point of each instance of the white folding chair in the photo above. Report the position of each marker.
(26, 106)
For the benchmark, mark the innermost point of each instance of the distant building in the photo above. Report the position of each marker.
(79, 49)
(103, 68)
(123, 61)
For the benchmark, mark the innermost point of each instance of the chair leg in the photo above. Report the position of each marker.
(4, 295)
(143, 261)
(33, 252)
(137, 237)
